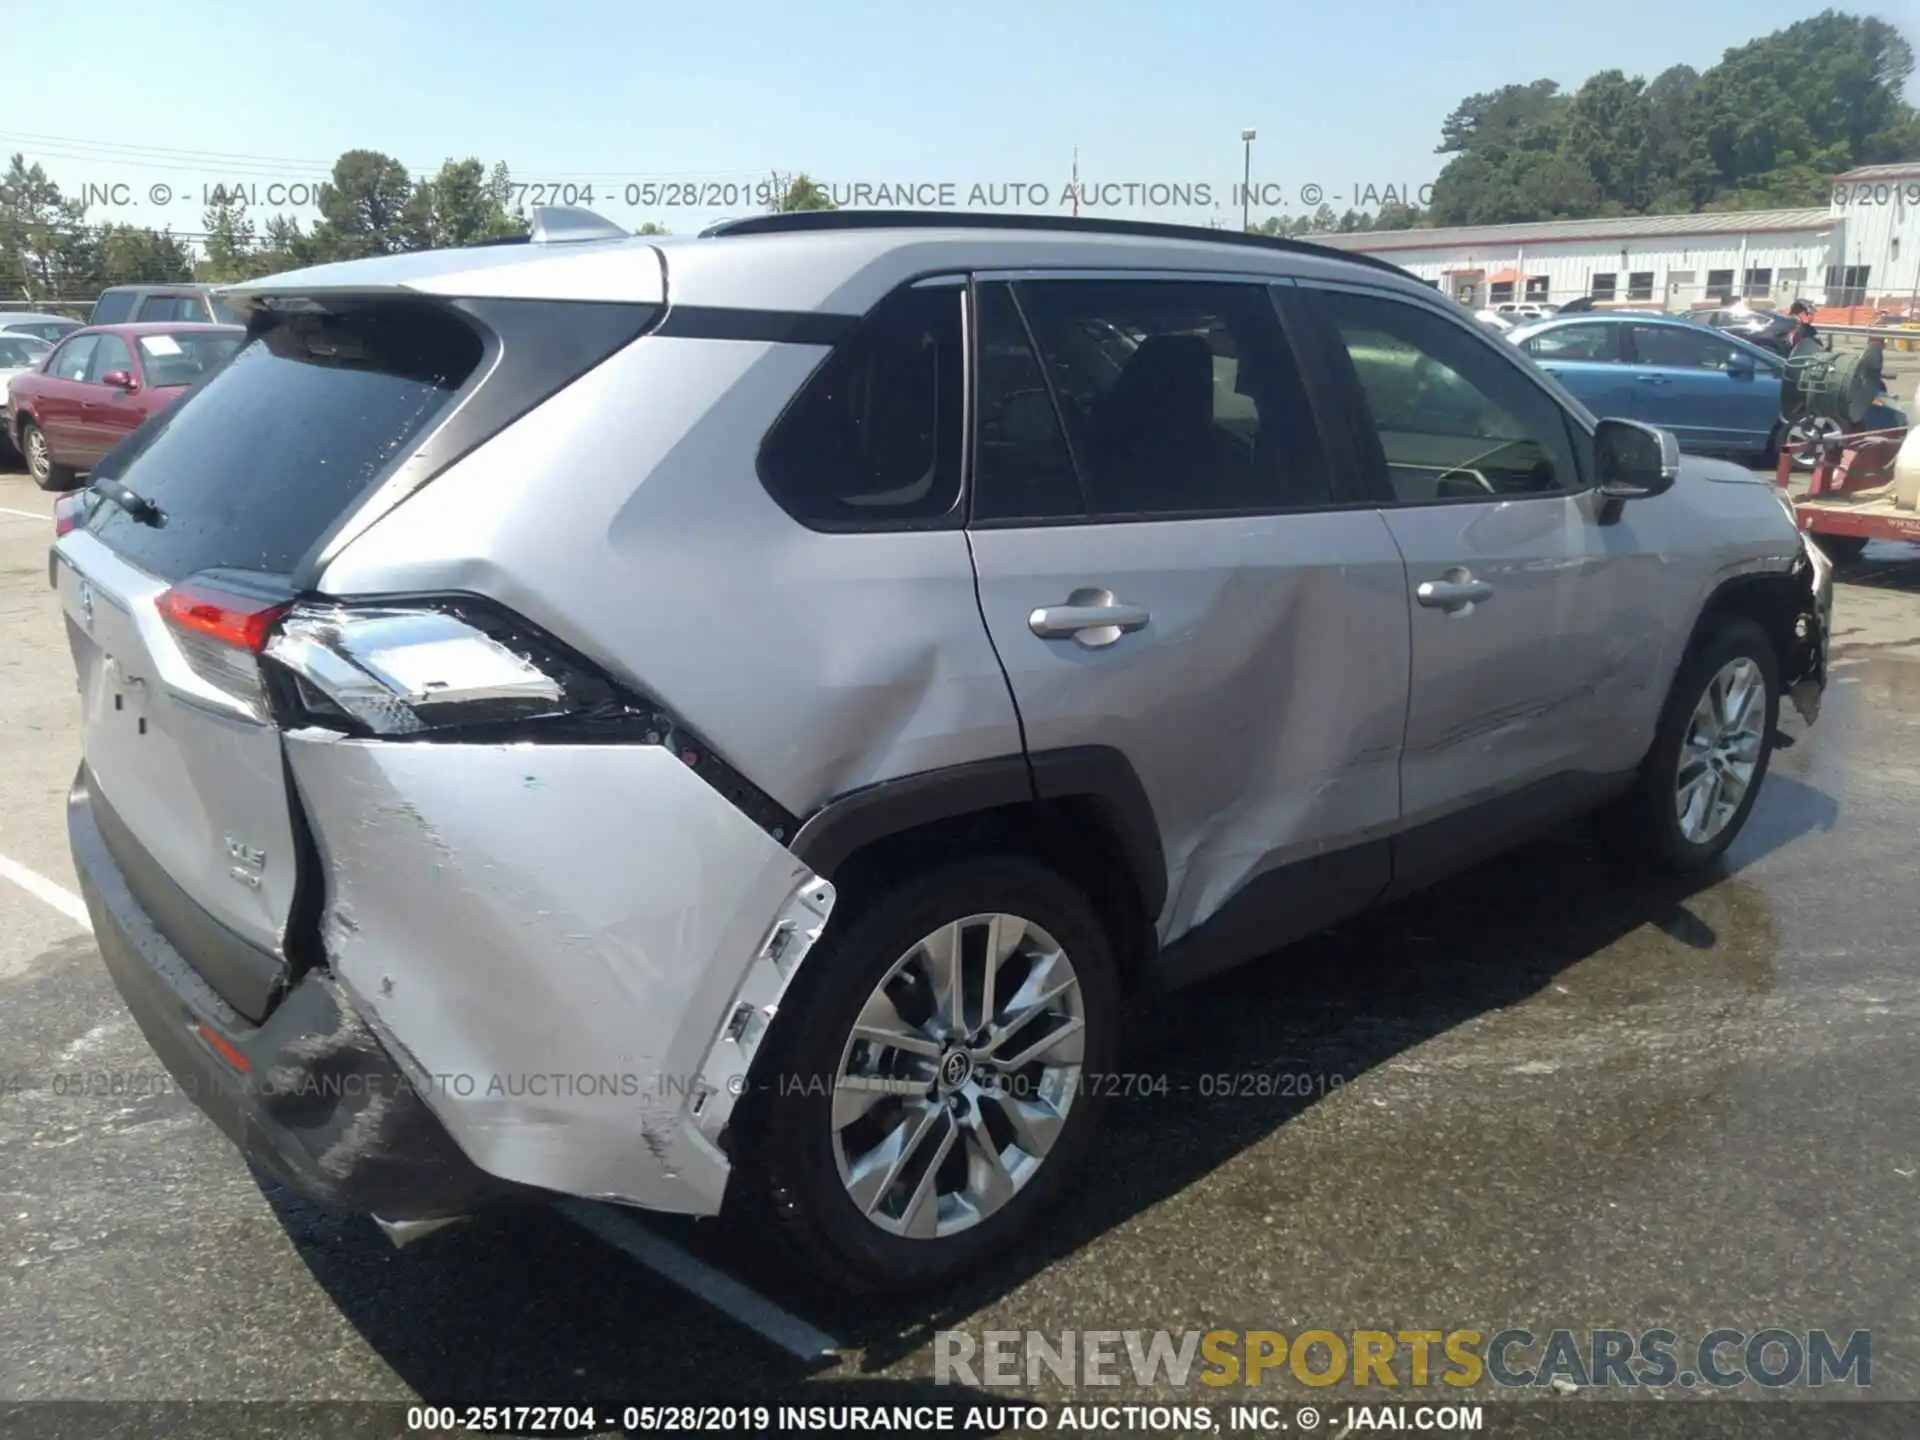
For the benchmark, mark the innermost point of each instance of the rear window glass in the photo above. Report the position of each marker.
(112, 307)
(254, 466)
(181, 357)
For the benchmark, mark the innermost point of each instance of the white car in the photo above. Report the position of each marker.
(1496, 319)
(18, 353)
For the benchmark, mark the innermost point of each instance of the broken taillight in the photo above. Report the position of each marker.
(399, 670)
(242, 621)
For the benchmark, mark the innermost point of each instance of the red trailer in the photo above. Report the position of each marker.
(1849, 498)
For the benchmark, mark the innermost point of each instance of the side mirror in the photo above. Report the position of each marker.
(1739, 366)
(1634, 461)
(118, 379)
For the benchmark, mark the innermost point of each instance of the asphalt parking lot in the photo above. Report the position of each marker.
(1544, 1096)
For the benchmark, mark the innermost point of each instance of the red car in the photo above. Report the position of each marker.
(99, 384)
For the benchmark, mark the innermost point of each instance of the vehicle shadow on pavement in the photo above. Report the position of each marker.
(524, 1307)
(1884, 566)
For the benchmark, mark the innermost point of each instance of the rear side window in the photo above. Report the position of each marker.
(172, 307)
(112, 307)
(872, 440)
(1176, 397)
(253, 467)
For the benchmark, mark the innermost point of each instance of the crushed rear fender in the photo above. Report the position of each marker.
(573, 950)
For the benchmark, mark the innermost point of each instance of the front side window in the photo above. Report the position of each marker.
(1456, 418)
(873, 438)
(109, 355)
(1175, 397)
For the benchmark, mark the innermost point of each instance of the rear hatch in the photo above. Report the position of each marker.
(193, 536)
(202, 534)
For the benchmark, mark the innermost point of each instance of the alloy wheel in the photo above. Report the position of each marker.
(39, 462)
(958, 1076)
(1720, 750)
(1809, 428)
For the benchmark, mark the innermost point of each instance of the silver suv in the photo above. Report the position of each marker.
(733, 720)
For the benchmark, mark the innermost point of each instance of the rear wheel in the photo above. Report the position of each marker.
(925, 1099)
(46, 472)
(1703, 772)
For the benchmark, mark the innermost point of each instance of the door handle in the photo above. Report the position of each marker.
(1654, 380)
(1092, 617)
(1455, 591)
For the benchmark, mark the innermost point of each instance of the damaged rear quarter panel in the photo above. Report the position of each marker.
(551, 937)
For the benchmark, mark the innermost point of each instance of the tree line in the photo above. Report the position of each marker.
(50, 252)
(1768, 127)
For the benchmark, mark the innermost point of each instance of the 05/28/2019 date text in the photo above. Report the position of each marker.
(649, 194)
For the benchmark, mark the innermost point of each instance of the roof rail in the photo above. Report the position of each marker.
(804, 221)
(567, 225)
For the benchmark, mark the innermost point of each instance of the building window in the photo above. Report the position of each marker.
(1502, 292)
(1640, 285)
(1536, 287)
(1603, 286)
(1847, 284)
(1719, 284)
(1759, 283)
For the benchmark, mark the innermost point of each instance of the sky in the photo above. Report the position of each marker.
(678, 113)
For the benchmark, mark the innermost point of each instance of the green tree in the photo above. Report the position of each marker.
(232, 244)
(463, 204)
(649, 228)
(798, 192)
(46, 249)
(137, 255)
(364, 207)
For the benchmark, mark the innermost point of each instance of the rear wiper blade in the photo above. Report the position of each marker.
(131, 501)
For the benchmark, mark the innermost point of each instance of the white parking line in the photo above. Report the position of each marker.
(24, 514)
(723, 1292)
(43, 889)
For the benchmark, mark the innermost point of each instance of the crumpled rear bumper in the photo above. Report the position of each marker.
(310, 1095)
(573, 950)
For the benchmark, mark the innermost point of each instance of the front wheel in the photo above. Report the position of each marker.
(1701, 776)
(930, 1084)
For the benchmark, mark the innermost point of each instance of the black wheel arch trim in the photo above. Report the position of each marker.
(1095, 773)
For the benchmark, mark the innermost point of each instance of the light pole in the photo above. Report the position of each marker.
(1246, 181)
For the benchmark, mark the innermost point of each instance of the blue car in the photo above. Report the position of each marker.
(1717, 394)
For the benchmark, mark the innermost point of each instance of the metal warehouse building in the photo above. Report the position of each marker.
(1863, 249)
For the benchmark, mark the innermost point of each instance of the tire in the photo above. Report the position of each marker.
(1810, 428)
(47, 473)
(1841, 549)
(790, 1179)
(1645, 826)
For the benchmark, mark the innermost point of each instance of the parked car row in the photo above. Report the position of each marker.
(86, 395)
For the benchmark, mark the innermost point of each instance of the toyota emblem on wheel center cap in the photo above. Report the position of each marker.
(956, 1069)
